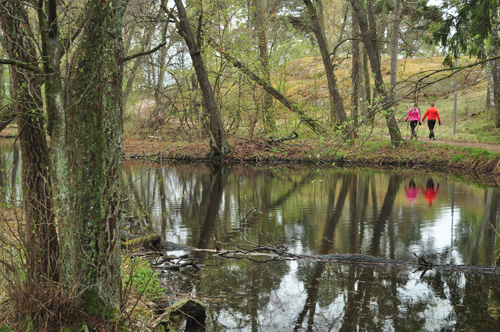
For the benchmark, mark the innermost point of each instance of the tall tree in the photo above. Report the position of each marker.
(337, 111)
(368, 35)
(94, 121)
(355, 71)
(218, 141)
(261, 25)
(40, 237)
(394, 49)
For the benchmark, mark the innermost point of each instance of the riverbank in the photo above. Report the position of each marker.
(468, 159)
(461, 158)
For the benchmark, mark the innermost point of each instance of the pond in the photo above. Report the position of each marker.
(314, 213)
(317, 211)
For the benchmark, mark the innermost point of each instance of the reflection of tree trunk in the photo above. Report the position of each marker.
(132, 183)
(385, 213)
(163, 201)
(6, 117)
(333, 217)
(326, 246)
(374, 197)
(266, 205)
(364, 189)
(486, 233)
(311, 300)
(214, 197)
(254, 300)
(353, 212)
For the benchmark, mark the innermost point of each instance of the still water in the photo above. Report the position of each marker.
(317, 211)
(327, 211)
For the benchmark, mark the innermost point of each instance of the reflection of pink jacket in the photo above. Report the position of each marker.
(411, 194)
(413, 114)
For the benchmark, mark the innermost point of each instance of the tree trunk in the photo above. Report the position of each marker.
(490, 101)
(371, 49)
(137, 63)
(337, 111)
(218, 140)
(355, 73)
(495, 73)
(40, 237)
(95, 155)
(262, 30)
(394, 50)
(363, 98)
(367, 76)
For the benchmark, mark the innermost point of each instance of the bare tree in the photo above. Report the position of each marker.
(368, 34)
(218, 141)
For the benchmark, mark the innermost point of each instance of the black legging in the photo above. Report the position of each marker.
(431, 124)
(413, 124)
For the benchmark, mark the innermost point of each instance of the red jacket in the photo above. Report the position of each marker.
(432, 113)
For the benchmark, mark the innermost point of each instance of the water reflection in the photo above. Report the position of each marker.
(318, 211)
(10, 172)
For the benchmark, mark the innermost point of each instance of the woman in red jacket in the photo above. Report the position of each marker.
(432, 114)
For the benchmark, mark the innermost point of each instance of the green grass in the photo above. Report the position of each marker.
(139, 275)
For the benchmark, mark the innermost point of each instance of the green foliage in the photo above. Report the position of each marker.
(5, 328)
(137, 273)
(457, 158)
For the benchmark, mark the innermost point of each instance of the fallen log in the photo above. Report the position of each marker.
(148, 241)
(274, 254)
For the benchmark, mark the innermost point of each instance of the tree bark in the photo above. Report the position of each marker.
(40, 237)
(371, 48)
(218, 140)
(262, 31)
(495, 72)
(95, 155)
(355, 72)
(337, 111)
(394, 50)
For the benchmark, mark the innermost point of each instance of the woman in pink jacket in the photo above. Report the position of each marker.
(414, 116)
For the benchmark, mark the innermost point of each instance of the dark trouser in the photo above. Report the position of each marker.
(413, 125)
(431, 124)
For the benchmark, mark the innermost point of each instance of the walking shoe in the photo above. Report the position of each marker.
(434, 139)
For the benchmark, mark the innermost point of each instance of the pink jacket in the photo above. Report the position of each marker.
(413, 114)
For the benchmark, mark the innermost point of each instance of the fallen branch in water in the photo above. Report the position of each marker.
(277, 253)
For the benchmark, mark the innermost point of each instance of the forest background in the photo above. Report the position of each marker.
(324, 82)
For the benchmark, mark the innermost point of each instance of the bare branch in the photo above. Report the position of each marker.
(21, 64)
